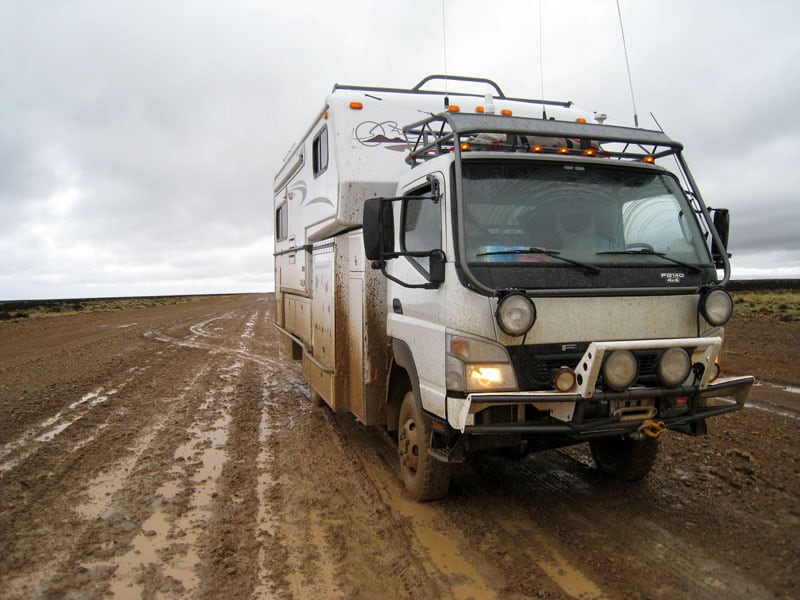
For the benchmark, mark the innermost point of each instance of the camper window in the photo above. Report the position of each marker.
(320, 152)
(282, 222)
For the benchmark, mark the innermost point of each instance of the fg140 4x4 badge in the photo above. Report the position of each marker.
(673, 277)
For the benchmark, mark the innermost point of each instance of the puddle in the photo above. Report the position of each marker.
(553, 563)
(792, 389)
(102, 489)
(170, 542)
(50, 428)
(465, 581)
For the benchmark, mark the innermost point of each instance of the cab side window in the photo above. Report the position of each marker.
(422, 226)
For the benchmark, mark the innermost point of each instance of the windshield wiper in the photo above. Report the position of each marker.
(649, 252)
(550, 253)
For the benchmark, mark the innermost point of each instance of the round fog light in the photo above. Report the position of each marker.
(716, 306)
(564, 380)
(515, 314)
(620, 369)
(673, 367)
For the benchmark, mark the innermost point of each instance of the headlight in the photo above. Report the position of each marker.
(673, 367)
(477, 365)
(620, 369)
(515, 314)
(716, 306)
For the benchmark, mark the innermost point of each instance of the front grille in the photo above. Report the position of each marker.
(536, 364)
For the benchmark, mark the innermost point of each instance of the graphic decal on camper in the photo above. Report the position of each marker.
(299, 187)
(302, 189)
(319, 200)
(387, 134)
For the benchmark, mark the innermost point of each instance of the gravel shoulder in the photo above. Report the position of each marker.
(172, 451)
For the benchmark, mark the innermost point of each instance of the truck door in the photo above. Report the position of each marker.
(417, 316)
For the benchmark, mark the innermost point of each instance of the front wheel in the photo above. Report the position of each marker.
(425, 477)
(624, 458)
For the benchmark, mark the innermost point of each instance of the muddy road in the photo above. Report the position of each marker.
(173, 452)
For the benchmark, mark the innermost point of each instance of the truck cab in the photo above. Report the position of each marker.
(549, 283)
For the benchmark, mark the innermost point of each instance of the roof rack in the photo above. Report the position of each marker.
(440, 133)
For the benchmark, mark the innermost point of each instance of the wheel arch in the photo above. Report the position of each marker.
(402, 378)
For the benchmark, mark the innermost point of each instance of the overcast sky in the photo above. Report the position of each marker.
(139, 140)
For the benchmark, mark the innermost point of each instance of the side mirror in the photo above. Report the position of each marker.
(436, 264)
(722, 223)
(378, 222)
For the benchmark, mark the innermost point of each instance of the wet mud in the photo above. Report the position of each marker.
(173, 452)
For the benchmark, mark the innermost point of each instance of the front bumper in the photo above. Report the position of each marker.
(622, 412)
(567, 409)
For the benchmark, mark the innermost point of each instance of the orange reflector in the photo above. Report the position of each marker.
(478, 109)
(465, 147)
(325, 115)
(454, 108)
(580, 120)
(590, 152)
(537, 148)
(649, 159)
(506, 112)
(356, 105)
(563, 150)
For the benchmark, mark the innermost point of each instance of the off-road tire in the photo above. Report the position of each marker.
(425, 477)
(624, 458)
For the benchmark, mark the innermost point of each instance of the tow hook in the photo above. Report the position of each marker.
(650, 428)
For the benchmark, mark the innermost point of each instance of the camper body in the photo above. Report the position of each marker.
(511, 277)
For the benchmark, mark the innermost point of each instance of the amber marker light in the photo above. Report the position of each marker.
(356, 105)
(563, 150)
(580, 120)
(537, 148)
(649, 159)
(590, 152)
(506, 112)
(465, 147)
(454, 108)
(479, 109)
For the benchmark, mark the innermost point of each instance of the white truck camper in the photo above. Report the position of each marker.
(479, 273)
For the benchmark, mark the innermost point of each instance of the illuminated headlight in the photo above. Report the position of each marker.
(515, 314)
(620, 369)
(673, 367)
(481, 378)
(716, 306)
(477, 365)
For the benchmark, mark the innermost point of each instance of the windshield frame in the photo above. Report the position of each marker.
(634, 273)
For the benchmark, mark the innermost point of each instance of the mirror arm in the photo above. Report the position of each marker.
(381, 264)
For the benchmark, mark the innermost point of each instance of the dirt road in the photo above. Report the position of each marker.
(173, 452)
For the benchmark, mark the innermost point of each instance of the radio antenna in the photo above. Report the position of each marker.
(541, 62)
(444, 53)
(628, 66)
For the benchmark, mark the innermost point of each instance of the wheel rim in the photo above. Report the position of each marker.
(408, 443)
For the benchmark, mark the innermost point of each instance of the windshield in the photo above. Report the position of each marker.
(600, 215)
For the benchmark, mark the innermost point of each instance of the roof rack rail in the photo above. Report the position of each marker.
(440, 133)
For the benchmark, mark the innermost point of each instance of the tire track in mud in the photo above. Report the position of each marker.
(323, 528)
(200, 469)
(133, 494)
(60, 463)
